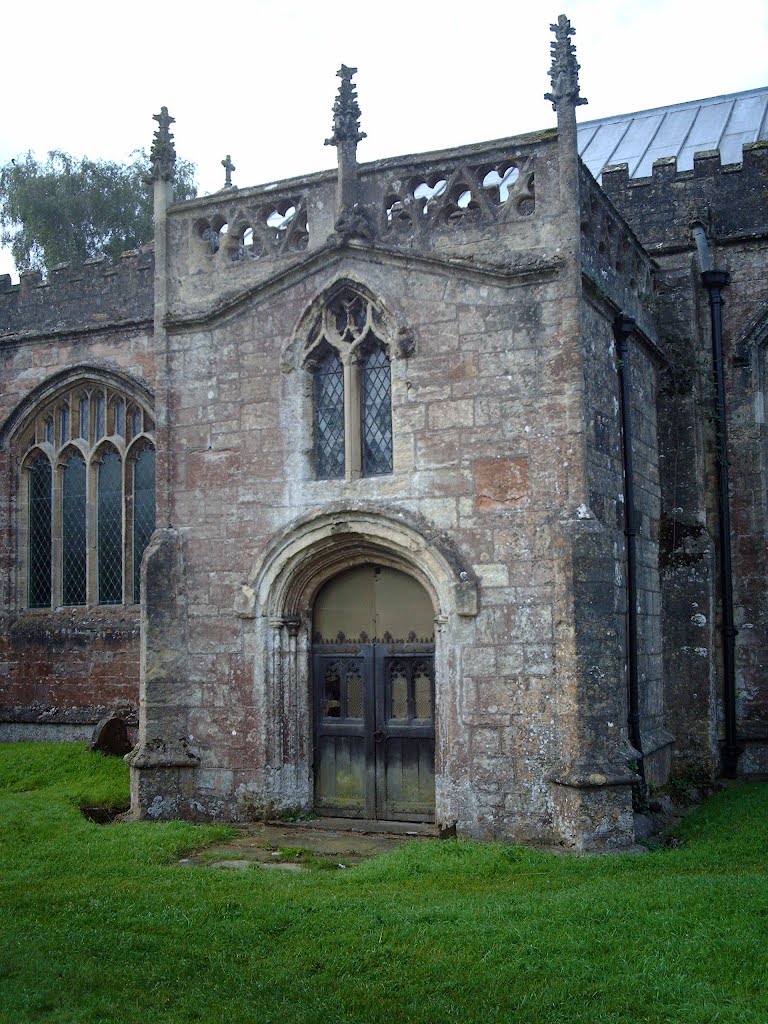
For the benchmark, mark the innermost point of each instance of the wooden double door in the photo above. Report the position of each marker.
(374, 725)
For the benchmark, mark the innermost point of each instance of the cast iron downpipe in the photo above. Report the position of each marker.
(714, 281)
(623, 326)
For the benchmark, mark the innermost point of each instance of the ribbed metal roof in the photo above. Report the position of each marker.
(721, 122)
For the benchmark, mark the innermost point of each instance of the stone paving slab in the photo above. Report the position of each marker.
(290, 846)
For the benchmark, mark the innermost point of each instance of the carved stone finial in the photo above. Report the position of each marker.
(228, 168)
(162, 156)
(564, 73)
(352, 219)
(346, 111)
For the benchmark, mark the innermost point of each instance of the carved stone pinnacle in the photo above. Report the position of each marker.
(346, 111)
(564, 72)
(162, 156)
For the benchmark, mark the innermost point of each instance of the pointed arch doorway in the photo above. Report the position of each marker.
(374, 696)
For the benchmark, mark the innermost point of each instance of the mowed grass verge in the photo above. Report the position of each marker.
(99, 925)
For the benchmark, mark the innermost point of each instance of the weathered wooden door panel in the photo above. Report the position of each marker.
(406, 778)
(343, 708)
(405, 731)
(374, 730)
(341, 776)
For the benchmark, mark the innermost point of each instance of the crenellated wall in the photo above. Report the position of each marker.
(79, 298)
(730, 199)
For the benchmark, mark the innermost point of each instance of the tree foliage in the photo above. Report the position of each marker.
(68, 210)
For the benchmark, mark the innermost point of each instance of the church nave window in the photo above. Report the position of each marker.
(89, 497)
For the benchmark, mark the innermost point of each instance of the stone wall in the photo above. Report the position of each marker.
(60, 669)
(730, 202)
(483, 506)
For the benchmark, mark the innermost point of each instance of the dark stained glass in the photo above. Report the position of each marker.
(73, 531)
(110, 528)
(100, 424)
(85, 406)
(377, 414)
(64, 423)
(329, 418)
(143, 511)
(120, 417)
(40, 534)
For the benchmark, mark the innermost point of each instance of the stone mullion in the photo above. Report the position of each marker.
(352, 418)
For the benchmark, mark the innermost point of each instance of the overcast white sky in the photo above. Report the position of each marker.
(256, 78)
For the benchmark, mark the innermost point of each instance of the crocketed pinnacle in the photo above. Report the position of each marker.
(346, 110)
(564, 73)
(162, 156)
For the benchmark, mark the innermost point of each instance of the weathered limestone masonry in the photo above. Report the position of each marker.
(62, 669)
(474, 379)
(504, 499)
(731, 202)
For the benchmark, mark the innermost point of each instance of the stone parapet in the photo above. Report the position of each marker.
(731, 199)
(96, 296)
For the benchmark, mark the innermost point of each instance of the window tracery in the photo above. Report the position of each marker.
(87, 497)
(352, 389)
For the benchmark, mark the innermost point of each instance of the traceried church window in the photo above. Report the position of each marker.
(110, 528)
(329, 416)
(352, 390)
(88, 482)
(40, 508)
(73, 532)
(143, 509)
(376, 413)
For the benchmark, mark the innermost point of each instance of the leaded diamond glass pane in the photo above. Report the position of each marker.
(377, 414)
(143, 511)
(329, 418)
(49, 430)
(399, 693)
(73, 531)
(422, 688)
(40, 534)
(354, 694)
(110, 529)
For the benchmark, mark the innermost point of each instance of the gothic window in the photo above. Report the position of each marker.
(376, 413)
(73, 539)
(143, 509)
(352, 390)
(87, 497)
(329, 417)
(40, 506)
(110, 528)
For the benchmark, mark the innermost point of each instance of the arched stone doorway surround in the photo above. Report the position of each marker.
(279, 598)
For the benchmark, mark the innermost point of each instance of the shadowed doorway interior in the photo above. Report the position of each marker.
(374, 696)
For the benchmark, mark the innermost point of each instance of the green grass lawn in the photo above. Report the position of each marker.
(98, 924)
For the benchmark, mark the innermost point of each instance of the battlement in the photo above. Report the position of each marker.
(729, 197)
(96, 295)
